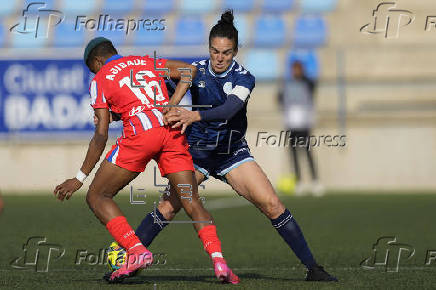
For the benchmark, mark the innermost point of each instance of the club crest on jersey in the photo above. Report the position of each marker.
(201, 84)
(228, 87)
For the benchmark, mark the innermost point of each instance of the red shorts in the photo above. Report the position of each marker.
(166, 146)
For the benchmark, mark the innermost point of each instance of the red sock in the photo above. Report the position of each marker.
(211, 242)
(120, 229)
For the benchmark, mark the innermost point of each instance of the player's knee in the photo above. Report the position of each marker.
(92, 198)
(168, 210)
(273, 207)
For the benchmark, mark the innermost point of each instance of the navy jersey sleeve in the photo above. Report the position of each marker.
(244, 84)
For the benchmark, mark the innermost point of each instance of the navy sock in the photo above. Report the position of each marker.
(150, 227)
(288, 228)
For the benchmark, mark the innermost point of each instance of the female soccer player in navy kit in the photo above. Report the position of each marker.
(218, 146)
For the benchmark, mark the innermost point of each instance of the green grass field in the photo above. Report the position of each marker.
(340, 229)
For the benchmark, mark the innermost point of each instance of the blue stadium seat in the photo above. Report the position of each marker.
(243, 29)
(190, 31)
(49, 4)
(66, 35)
(277, 5)
(115, 7)
(197, 6)
(153, 7)
(83, 7)
(309, 31)
(27, 41)
(318, 5)
(2, 35)
(269, 31)
(263, 64)
(150, 37)
(10, 8)
(117, 37)
(239, 5)
(308, 58)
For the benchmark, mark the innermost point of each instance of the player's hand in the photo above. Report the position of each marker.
(67, 188)
(166, 111)
(182, 118)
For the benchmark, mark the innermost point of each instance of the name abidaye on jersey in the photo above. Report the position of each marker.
(115, 69)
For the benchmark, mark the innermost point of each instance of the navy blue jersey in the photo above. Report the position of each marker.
(209, 88)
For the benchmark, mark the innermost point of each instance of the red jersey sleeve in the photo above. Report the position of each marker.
(97, 92)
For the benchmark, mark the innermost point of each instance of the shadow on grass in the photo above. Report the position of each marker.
(152, 279)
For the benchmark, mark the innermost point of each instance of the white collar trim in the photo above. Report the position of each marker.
(222, 74)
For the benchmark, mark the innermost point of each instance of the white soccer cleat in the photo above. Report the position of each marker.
(318, 189)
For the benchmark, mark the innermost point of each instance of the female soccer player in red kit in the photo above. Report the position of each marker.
(130, 86)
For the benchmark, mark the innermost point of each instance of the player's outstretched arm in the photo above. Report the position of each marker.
(184, 72)
(226, 111)
(95, 149)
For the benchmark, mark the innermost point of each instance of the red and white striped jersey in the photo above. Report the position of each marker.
(131, 86)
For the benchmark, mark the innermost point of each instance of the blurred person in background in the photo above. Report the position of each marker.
(296, 99)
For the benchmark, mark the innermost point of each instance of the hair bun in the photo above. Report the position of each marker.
(227, 17)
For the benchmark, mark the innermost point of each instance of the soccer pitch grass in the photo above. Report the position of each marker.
(340, 229)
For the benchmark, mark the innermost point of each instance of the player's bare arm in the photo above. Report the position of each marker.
(113, 117)
(185, 78)
(95, 149)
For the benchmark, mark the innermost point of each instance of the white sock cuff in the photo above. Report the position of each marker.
(216, 255)
(138, 244)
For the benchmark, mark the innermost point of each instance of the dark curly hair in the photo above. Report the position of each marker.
(103, 49)
(225, 28)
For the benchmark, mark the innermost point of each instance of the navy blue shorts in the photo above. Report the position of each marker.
(218, 163)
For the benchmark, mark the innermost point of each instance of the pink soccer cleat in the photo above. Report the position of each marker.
(224, 273)
(138, 258)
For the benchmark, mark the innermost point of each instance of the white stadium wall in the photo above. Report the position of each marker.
(379, 153)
